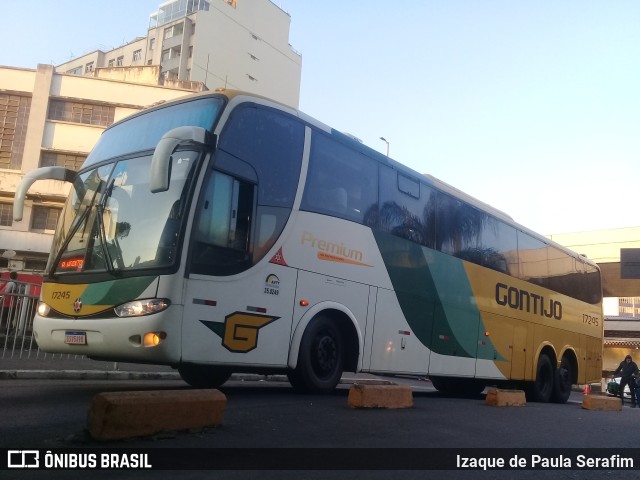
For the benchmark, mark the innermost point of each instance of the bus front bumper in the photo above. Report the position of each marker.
(146, 339)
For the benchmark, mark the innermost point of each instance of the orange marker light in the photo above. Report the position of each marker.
(153, 339)
(304, 303)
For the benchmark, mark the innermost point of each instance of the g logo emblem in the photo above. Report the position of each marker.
(239, 332)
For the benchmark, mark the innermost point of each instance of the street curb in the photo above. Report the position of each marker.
(85, 375)
(120, 375)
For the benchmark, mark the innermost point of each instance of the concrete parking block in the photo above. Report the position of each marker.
(601, 402)
(498, 397)
(120, 415)
(380, 396)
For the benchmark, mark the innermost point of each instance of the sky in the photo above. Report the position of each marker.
(531, 107)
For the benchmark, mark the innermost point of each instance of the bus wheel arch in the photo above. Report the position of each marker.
(325, 344)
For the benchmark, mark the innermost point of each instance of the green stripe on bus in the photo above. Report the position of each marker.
(435, 296)
(115, 292)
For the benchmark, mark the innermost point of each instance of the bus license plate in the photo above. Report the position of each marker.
(75, 338)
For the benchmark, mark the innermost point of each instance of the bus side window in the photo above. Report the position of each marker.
(341, 182)
(406, 208)
(223, 226)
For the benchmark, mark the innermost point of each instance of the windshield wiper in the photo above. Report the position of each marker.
(72, 231)
(100, 209)
(81, 220)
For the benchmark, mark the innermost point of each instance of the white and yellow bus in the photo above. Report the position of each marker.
(227, 233)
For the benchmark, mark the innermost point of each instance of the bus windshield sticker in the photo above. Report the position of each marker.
(278, 258)
(272, 285)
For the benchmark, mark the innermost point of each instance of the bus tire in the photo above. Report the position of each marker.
(562, 382)
(203, 376)
(541, 388)
(321, 357)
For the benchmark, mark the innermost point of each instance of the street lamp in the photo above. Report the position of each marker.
(385, 141)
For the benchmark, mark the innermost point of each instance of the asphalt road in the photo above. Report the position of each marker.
(51, 414)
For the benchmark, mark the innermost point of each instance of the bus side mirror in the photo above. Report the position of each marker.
(42, 173)
(161, 161)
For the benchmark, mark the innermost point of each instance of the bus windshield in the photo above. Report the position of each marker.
(144, 131)
(116, 223)
(112, 221)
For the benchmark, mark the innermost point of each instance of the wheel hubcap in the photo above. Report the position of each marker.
(326, 355)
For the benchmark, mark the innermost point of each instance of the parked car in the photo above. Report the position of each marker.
(613, 388)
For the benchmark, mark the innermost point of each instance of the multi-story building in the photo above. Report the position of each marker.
(49, 119)
(629, 307)
(238, 44)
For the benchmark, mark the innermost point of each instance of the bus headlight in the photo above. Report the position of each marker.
(142, 307)
(43, 309)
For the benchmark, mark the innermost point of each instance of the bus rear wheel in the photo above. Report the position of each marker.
(203, 376)
(321, 357)
(562, 382)
(541, 388)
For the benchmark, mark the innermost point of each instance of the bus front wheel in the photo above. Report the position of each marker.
(203, 376)
(321, 357)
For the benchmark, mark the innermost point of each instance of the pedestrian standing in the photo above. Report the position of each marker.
(627, 370)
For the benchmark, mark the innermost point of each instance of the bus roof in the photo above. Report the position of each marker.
(355, 143)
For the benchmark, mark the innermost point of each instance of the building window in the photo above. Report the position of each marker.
(190, 51)
(14, 117)
(193, 29)
(75, 71)
(120, 61)
(88, 68)
(6, 214)
(35, 265)
(137, 55)
(85, 113)
(44, 218)
(152, 43)
(173, 30)
(112, 62)
(59, 159)
(170, 53)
